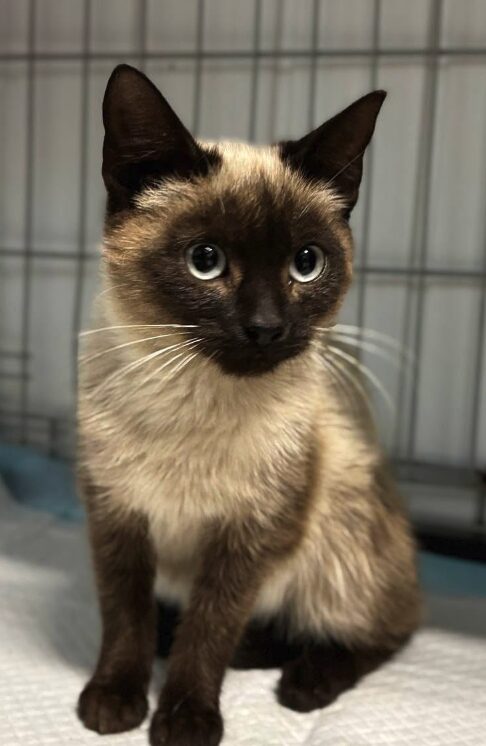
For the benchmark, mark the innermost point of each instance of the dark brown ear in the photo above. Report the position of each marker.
(333, 153)
(144, 140)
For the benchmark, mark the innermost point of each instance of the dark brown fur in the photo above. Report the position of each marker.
(232, 567)
(115, 699)
(234, 561)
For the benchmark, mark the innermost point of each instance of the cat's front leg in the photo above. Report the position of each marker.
(233, 567)
(115, 699)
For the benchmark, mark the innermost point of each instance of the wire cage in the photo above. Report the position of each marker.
(264, 70)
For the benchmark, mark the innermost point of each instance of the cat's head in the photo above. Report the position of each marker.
(250, 243)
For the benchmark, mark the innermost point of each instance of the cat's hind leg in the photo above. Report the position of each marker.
(323, 671)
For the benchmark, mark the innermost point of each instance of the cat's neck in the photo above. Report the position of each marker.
(191, 385)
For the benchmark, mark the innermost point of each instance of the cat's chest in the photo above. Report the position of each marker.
(191, 456)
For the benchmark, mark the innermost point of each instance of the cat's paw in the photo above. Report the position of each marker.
(309, 683)
(109, 707)
(300, 690)
(186, 724)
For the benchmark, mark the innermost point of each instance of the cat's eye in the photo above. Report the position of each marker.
(206, 261)
(307, 264)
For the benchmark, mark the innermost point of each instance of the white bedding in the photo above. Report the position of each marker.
(434, 694)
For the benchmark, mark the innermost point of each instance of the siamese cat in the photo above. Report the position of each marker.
(220, 462)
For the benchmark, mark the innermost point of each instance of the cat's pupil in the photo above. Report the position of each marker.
(205, 258)
(305, 260)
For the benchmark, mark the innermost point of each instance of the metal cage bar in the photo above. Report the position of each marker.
(83, 187)
(255, 69)
(28, 221)
(435, 25)
(21, 418)
(198, 68)
(367, 196)
(242, 54)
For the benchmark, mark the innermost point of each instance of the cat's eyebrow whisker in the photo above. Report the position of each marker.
(138, 326)
(84, 360)
(124, 370)
(366, 372)
(343, 169)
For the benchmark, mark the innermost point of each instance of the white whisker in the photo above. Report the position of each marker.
(84, 360)
(108, 290)
(331, 369)
(358, 331)
(138, 326)
(213, 355)
(180, 366)
(366, 372)
(367, 347)
(355, 383)
(121, 372)
(162, 367)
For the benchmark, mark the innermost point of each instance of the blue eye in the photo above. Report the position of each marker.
(206, 261)
(307, 264)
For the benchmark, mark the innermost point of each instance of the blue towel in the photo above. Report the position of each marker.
(449, 576)
(40, 482)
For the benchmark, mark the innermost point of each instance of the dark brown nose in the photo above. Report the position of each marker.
(264, 334)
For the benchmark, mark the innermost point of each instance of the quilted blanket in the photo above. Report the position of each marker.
(433, 694)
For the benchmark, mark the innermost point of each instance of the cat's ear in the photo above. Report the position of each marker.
(333, 153)
(144, 139)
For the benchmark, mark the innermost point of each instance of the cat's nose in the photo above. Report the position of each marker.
(264, 334)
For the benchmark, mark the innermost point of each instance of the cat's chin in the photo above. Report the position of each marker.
(251, 365)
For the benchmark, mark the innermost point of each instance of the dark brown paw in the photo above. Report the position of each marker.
(111, 708)
(186, 724)
(298, 692)
(309, 684)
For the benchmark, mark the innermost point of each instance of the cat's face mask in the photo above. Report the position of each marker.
(251, 245)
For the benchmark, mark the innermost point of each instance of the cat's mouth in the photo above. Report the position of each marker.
(247, 360)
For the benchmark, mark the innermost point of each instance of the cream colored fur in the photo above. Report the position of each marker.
(197, 446)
